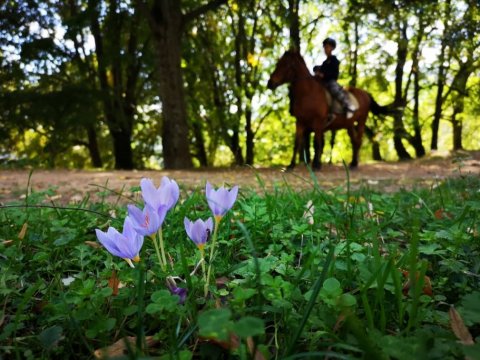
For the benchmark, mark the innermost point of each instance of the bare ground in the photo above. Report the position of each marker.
(73, 185)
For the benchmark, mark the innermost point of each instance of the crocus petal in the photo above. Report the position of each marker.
(221, 200)
(161, 213)
(149, 193)
(199, 230)
(169, 192)
(188, 226)
(134, 240)
(136, 215)
(182, 294)
(126, 245)
(209, 224)
(175, 290)
(146, 222)
(232, 196)
(108, 241)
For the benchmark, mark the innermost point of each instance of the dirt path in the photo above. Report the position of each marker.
(73, 185)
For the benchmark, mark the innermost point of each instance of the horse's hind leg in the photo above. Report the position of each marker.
(355, 135)
(318, 144)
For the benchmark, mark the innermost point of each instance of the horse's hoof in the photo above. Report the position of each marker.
(289, 168)
(353, 166)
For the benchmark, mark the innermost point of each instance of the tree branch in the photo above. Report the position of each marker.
(212, 5)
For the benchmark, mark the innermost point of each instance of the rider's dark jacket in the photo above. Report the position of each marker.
(329, 68)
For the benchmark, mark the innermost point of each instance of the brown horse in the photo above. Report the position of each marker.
(309, 106)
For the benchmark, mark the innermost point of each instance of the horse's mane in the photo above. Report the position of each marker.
(296, 55)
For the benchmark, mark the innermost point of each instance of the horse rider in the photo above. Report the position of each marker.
(328, 72)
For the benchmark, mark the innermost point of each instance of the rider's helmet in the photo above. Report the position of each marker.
(331, 42)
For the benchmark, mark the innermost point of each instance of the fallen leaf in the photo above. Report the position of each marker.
(93, 244)
(442, 214)
(427, 284)
(233, 343)
(54, 197)
(113, 283)
(459, 328)
(120, 348)
(23, 231)
(221, 282)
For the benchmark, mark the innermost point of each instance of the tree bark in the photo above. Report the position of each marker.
(294, 21)
(123, 153)
(399, 129)
(93, 147)
(416, 140)
(199, 144)
(376, 155)
(166, 24)
(249, 137)
(457, 131)
(440, 80)
(119, 112)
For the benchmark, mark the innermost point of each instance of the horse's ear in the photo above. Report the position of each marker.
(294, 49)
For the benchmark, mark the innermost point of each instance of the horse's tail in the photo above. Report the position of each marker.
(377, 109)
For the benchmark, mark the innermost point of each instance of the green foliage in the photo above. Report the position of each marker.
(74, 75)
(352, 284)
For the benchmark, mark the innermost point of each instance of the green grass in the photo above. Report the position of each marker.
(288, 289)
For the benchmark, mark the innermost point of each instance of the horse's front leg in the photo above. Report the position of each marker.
(318, 144)
(298, 145)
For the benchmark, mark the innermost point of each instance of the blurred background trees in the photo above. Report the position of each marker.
(173, 84)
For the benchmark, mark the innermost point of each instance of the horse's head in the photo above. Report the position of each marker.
(286, 69)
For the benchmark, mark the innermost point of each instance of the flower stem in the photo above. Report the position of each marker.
(162, 249)
(157, 250)
(210, 258)
(202, 259)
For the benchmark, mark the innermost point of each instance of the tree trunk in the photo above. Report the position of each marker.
(457, 132)
(93, 147)
(353, 64)
(249, 137)
(440, 81)
(236, 148)
(294, 21)
(376, 155)
(166, 24)
(122, 149)
(416, 140)
(118, 113)
(459, 84)
(199, 144)
(399, 129)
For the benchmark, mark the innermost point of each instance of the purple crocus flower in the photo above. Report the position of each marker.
(126, 245)
(181, 292)
(221, 200)
(166, 195)
(148, 221)
(199, 231)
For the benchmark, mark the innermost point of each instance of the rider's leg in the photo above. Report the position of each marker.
(341, 95)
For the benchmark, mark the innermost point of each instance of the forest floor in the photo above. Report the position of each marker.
(74, 185)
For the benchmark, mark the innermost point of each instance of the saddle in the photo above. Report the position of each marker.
(335, 107)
